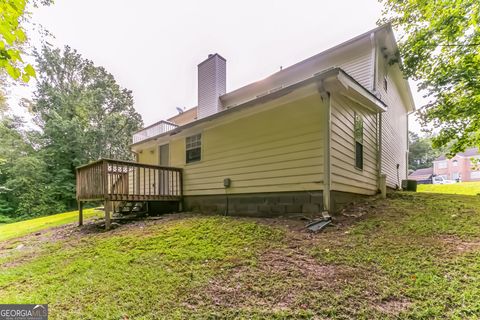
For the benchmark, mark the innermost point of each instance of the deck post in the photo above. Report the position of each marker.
(80, 213)
(108, 208)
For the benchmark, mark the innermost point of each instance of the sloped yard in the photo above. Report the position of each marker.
(409, 256)
(21, 228)
(467, 188)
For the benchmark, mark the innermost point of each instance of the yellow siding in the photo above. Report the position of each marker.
(271, 151)
(148, 156)
(345, 177)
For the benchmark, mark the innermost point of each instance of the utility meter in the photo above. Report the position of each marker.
(227, 182)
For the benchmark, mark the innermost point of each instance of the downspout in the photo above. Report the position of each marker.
(408, 147)
(379, 115)
(325, 97)
(408, 140)
(380, 143)
(374, 63)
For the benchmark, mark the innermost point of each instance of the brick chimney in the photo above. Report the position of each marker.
(212, 77)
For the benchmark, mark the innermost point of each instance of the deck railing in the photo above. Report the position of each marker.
(153, 130)
(115, 180)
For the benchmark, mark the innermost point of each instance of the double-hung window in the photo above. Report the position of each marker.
(193, 147)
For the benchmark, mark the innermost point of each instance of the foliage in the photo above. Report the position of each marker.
(440, 47)
(14, 15)
(467, 188)
(5, 219)
(420, 152)
(24, 180)
(475, 164)
(82, 115)
(12, 146)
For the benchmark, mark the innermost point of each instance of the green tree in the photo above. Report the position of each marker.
(420, 153)
(14, 15)
(23, 178)
(83, 115)
(440, 47)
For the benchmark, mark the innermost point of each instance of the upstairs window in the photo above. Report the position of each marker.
(193, 147)
(442, 165)
(455, 163)
(358, 134)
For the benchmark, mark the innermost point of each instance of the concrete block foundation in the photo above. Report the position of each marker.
(274, 204)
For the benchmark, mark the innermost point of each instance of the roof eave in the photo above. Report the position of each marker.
(393, 42)
(337, 74)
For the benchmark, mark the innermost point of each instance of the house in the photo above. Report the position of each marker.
(422, 176)
(462, 167)
(305, 139)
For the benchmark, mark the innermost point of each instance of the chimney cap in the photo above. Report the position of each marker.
(211, 56)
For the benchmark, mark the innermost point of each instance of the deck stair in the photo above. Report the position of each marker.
(131, 207)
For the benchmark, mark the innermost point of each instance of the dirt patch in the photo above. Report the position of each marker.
(286, 279)
(393, 307)
(460, 245)
(277, 281)
(295, 262)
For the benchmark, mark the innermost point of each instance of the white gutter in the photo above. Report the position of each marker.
(348, 83)
(327, 184)
(379, 115)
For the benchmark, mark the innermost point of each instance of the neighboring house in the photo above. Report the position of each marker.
(422, 176)
(305, 139)
(461, 167)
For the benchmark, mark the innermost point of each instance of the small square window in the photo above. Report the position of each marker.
(193, 147)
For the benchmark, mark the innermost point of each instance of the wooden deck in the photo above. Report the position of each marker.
(114, 180)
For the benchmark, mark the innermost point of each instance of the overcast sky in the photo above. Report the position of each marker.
(153, 47)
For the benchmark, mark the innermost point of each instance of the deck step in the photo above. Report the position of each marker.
(129, 207)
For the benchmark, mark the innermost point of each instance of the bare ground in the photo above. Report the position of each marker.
(285, 277)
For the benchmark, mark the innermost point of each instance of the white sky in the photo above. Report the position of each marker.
(153, 47)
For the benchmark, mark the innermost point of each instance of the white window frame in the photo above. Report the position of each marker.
(193, 143)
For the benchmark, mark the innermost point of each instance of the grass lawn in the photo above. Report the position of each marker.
(411, 256)
(21, 228)
(468, 188)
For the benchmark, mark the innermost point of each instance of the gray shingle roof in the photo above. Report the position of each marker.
(470, 152)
